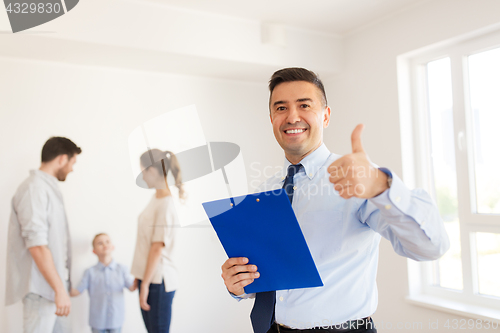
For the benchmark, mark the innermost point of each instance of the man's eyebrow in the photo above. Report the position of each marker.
(279, 102)
(306, 99)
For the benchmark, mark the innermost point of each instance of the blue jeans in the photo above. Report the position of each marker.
(113, 330)
(157, 319)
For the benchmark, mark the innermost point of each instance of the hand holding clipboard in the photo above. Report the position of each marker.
(263, 228)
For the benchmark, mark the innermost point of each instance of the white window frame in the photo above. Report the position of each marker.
(417, 169)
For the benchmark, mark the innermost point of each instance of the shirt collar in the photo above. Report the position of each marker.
(49, 178)
(112, 265)
(311, 163)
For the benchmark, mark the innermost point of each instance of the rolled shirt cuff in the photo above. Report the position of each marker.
(36, 241)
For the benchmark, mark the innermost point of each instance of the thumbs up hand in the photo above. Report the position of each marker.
(353, 175)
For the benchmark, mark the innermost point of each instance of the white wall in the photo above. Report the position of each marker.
(153, 36)
(366, 91)
(97, 109)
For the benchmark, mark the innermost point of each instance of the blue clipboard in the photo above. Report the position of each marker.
(263, 228)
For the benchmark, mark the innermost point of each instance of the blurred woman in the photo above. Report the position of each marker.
(153, 265)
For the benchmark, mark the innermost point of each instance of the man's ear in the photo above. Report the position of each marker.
(93, 250)
(271, 117)
(63, 159)
(326, 118)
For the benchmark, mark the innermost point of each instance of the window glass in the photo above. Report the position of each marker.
(484, 81)
(448, 270)
(488, 263)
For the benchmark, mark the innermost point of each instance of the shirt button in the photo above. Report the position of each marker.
(282, 178)
(388, 206)
(310, 175)
(281, 298)
(294, 188)
(423, 222)
(398, 199)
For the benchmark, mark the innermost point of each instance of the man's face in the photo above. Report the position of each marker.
(103, 245)
(66, 167)
(298, 117)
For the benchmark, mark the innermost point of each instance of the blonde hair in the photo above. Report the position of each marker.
(95, 237)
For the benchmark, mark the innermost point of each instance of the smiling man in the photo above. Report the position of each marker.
(299, 132)
(344, 205)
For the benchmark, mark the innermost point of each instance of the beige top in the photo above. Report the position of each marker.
(157, 223)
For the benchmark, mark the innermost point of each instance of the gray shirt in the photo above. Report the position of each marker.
(37, 218)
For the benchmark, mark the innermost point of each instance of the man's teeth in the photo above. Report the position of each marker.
(295, 131)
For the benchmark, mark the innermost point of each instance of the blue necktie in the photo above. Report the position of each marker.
(262, 315)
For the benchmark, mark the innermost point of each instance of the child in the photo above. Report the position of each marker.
(105, 282)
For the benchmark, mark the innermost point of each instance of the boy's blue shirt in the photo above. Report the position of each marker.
(105, 286)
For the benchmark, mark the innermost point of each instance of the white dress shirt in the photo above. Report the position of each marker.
(157, 223)
(37, 218)
(343, 237)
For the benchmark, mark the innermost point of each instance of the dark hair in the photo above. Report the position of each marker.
(56, 146)
(296, 74)
(152, 158)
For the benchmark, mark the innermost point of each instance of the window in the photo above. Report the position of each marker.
(450, 128)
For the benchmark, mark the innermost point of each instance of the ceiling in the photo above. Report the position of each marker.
(329, 16)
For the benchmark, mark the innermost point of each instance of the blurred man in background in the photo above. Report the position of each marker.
(39, 245)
